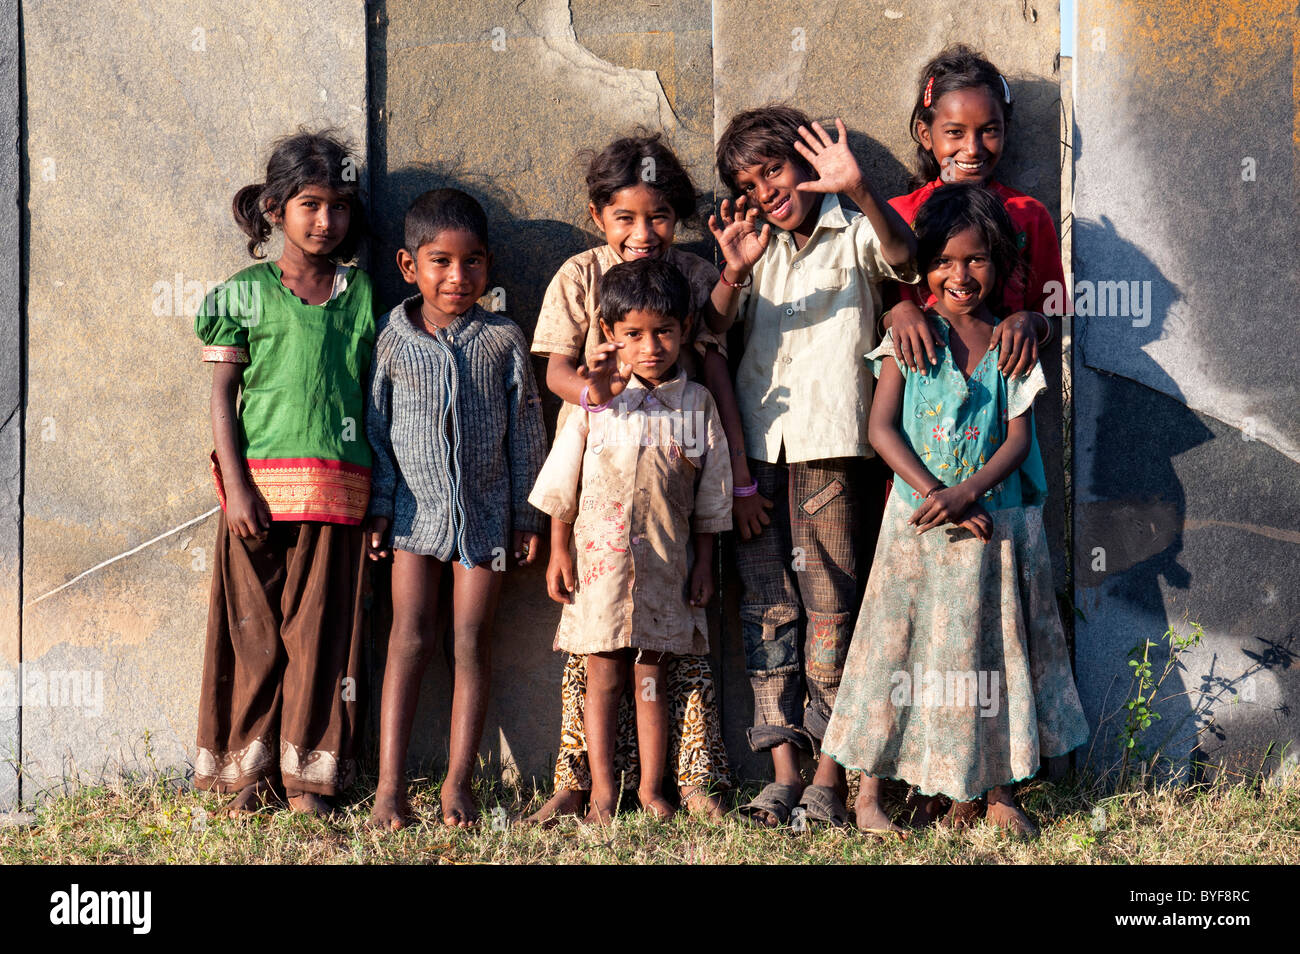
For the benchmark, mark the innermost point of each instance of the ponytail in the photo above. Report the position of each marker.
(251, 218)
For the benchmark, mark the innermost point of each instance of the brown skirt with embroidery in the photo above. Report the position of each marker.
(282, 665)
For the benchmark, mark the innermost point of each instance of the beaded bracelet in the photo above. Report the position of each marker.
(722, 276)
(590, 408)
(747, 491)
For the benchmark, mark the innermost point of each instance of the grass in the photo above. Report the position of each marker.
(162, 821)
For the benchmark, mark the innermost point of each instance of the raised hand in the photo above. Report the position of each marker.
(741, 241)
(605, 376)
(836, 166)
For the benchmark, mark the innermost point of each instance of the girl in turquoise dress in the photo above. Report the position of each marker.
(958, 679)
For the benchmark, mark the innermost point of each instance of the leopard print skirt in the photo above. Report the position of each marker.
(695, 748)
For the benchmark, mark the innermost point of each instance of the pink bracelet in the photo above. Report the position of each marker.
(590, 408)
(748, 491)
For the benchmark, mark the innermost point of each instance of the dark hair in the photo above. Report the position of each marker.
(768, 132)
(646, 284)
(297, 161)
(641, 159)
(442, 210)
(957, 67)
(957, 206)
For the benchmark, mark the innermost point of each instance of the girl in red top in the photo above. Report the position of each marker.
(960, 125)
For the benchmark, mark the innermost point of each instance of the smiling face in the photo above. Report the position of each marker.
(451, 272)
(651, 343)
(770, 184)
(315, 220)
(963, 276)
(637, 223)
(968, 128)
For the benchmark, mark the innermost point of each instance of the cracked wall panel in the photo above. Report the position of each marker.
(498, 100)
(1185, 183)
(860, 61)
(10, 395)
(1178, 518)
(142, 121)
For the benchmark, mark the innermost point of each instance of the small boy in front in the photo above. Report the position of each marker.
(809, 302)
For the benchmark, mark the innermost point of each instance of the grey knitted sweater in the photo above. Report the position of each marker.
(455, 422)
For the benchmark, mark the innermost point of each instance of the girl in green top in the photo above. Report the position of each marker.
(290, 343)
(957, 679)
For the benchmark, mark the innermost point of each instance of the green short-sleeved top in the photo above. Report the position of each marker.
(954, 425)
(302, 414)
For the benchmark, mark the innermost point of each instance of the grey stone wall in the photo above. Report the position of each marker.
(142, 121)
(1185, 420)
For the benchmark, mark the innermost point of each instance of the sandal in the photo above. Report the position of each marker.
(822, 806)
(775, 799)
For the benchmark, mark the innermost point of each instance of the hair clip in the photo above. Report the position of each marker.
(1006, 90)
(929, 90)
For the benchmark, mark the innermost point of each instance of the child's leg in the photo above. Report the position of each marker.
(1005, 813)
(606, 676)
(695, 735)
(572, 777)
(769, 613)
(410, 644)
(243, 668)
(322, 606)
(868, 811)
(650, 688)
(474, 603)
(827, 510)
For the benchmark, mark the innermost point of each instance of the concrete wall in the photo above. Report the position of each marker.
(1185, 415)
(141, 122)
(11, 351)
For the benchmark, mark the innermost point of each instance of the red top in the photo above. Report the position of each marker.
(1036, 236)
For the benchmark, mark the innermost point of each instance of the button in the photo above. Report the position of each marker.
(636, 539)
(796, 265)
(597, 448)
(789, 311)
(785, 360)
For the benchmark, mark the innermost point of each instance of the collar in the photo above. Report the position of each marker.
(461, 329)
(670, 394)
(831, 217)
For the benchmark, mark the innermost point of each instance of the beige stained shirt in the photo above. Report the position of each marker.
(636, 481)
(569, 320)
(808, 318)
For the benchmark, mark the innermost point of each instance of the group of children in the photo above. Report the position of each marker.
(906, 631)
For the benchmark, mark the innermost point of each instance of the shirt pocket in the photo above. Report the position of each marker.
(826, 296)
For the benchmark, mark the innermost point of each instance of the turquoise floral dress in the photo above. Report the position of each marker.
(958, 678)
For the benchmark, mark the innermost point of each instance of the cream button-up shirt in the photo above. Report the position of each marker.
(636, 481)
(808, 319)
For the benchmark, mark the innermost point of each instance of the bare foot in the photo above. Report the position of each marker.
(871, 818)
(458, 809)
(250, 800)
(923, 810)
(567, 801)
(309, 803)
(699, 802)
(653, 803)
(962, 815)
(392, 811)
(1005, 813)
(598, 814)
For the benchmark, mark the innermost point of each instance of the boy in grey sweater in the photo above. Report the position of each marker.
(455, 423)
